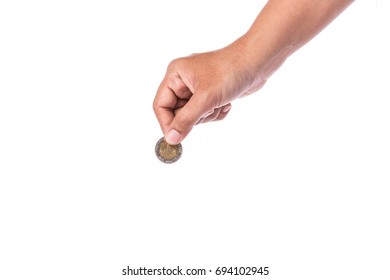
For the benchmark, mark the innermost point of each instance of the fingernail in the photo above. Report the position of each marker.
(173, 137)
(226, 108)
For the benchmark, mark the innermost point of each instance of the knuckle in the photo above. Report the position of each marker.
(155, 105)
(173, 64)
(155, 108)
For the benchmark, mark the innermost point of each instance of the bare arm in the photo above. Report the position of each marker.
(283, 26)
(201, 87)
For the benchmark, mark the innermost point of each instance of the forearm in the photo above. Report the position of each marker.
(282, 27)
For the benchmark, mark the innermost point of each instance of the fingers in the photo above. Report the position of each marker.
(223, 112)
(216, 114)
(172, 95)
(177, 85)
(178, 116)
(163, 106)
(186, 118)
(181, 101)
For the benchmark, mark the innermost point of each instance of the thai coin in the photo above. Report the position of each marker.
(168, 153)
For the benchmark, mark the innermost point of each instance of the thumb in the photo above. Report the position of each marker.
(186, 119)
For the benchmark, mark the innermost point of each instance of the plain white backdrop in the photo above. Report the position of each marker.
(296, 178)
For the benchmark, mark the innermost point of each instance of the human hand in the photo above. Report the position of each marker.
(200, 88)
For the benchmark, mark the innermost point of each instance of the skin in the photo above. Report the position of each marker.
(200, 88)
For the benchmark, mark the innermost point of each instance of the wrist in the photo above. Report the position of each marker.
(264, 57)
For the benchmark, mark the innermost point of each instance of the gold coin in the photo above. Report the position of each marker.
(167, 153)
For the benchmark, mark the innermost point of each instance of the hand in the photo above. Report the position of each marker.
(200, 88)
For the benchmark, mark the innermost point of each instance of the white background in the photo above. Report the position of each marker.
(296, 178)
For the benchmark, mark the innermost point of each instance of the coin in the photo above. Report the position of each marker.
(168, 153)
